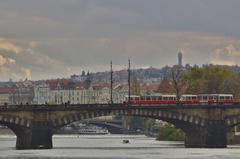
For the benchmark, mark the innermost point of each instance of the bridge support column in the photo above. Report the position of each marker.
(212, 135)
(216, 134)
(194, 139)
(39, 136)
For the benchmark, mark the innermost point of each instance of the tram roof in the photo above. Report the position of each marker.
(215, 95)
(189, 95)
(132, 96)
(158, 95)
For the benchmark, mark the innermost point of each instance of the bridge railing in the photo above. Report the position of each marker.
(51, 107)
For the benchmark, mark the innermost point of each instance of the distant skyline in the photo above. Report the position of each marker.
(57, 38)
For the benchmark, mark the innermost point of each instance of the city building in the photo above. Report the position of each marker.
(5, 95)
(41, 93)
(23, 92)
(80, 94)
(149, 88)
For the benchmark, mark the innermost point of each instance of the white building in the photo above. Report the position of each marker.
(41, 93)
(85, 96)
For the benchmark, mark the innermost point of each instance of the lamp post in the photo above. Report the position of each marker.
(129, 80)
(111, 89)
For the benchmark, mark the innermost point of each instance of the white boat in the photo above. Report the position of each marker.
(93, 131)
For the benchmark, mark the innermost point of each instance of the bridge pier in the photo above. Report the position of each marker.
(39, 136)
(214, 135)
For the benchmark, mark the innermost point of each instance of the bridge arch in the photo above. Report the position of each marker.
(168, 116)
(232, 121)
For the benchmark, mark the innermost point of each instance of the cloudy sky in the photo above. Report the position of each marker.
(56, 38)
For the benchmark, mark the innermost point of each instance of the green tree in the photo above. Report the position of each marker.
(169, 133)
(209, 79)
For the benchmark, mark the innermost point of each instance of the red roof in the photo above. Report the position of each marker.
(80, 85)
(165, 86)
(64, 83)
(152, 86)
(52, 84)
(100, 85)
(6, 90)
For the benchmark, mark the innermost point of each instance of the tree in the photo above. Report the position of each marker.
(135, 87)
(177, 81)
(232, 85)
(209, 79)
(165, 86)
(195, 81)
(170, 133)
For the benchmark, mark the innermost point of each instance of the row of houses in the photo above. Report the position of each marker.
(58, 92)
(76, 92)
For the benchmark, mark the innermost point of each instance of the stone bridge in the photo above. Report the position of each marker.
(204, 125)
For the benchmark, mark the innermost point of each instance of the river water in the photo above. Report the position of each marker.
(111, 147)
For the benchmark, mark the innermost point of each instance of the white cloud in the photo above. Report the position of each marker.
(228, 55)
(9, 46)
(6, 61)
(27, 62)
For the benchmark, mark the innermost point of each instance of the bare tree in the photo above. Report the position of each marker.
(178, 82)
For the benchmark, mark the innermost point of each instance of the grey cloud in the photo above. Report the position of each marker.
(86, 34)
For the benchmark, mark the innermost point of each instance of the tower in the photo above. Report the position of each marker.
(180, 58)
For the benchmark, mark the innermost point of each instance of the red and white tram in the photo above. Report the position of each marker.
(216, 98)
(185, 99)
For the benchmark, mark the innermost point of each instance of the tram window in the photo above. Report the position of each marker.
(222, 97)
(153, 98)
(205, 97)
(148, 98)
(211, 97)
(159, 98)
(165, 98)
(227, 97)
(137, 98)
(142, 98)
(194, 97)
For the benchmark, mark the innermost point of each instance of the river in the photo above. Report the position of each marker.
(111, 147)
